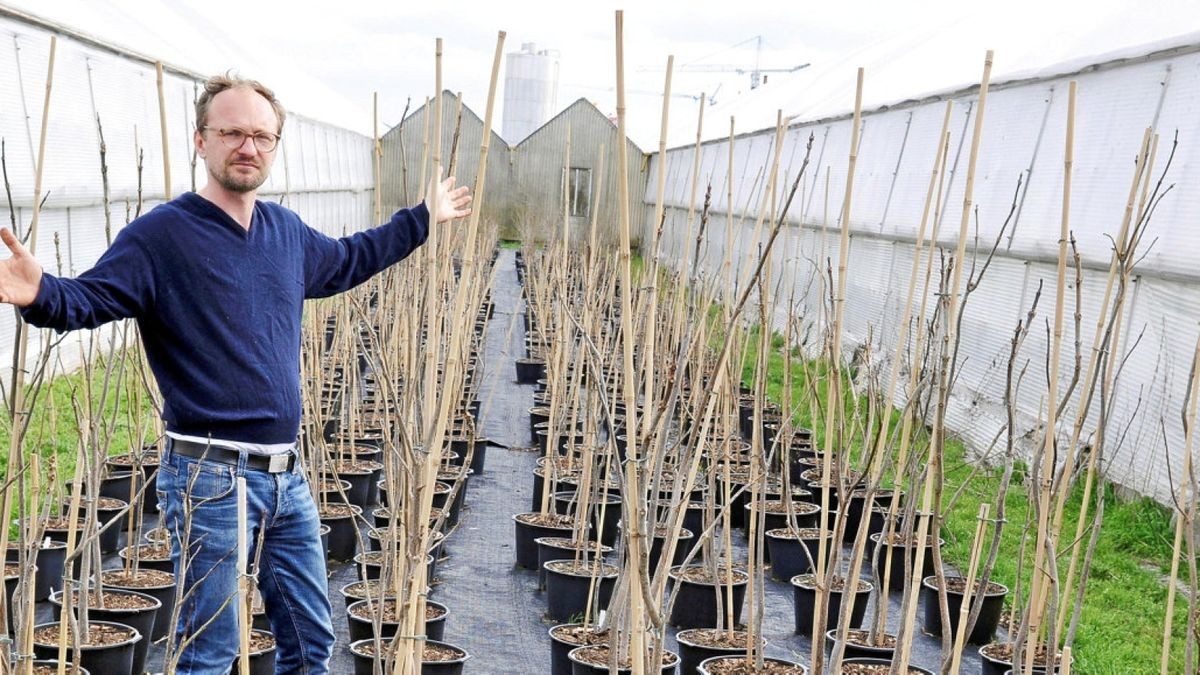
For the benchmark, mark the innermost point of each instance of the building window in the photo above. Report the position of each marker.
(580, 189)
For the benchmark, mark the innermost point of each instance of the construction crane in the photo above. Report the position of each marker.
(711, 99)
(756, 71)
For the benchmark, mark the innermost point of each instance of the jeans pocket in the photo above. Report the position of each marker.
(207, 481)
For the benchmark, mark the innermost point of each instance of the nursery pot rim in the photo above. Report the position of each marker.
(549, 564)
(930, 582)
(590, 546)
(669, 657)
(870, 585)
(674, 571)
(713, 659)
(137, 636)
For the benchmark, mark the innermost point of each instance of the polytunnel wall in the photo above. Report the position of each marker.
(1023, 139)
(322, 172)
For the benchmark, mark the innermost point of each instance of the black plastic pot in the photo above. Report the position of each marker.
(681, 549)
(164, 593)
(990, 665)
(807, 515)
(144, 561)
(51, 559)
(475, 447)
(866, 661)
(527, 535)
(530, 371)
(110, 537)
(454, 667)
(581, 667)
(567, 589)
(791, 555)
(343, 534)
(695, 603)
(114, 658)
(707, 664)
(805, 595)
(854, 511)
(336, 492)
(69, 668)
(898, 553)
(117, 485)
(262, 662)
(555, 548)
(565, 502)
(560, 648)
(441, 495)
(989, 615)
(142, 620)
(692, 653)
(363, 490)
(363, 629)
(363, 664)
(149, 464)
(854, 650)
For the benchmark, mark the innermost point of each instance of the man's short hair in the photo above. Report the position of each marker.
(219, 83)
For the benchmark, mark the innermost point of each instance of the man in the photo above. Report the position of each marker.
(216, 281)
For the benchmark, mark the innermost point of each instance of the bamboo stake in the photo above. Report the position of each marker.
(834, 398)
(964, 610)
(1145, 159)
(243, 585)
(377, 158)
(162, 122)
(1185, 516)
(634, 504)
(18, 415)
(897, 359)
(437, 423)
(904, 640)
(1046, 536)
(566, 213)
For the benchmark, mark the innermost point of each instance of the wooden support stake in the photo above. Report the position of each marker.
(964, 611)
(907, 625)
(243, 585)
(162, 124)
(17, 413)
(833, 407)
(1186, 499)
(1047, 537)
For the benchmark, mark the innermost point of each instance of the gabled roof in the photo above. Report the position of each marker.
(468, 114)
(588, 108)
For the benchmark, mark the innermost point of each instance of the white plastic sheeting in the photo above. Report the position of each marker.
(322, 172)
(1023, 138)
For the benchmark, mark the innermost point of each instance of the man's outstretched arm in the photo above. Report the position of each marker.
(119, 286)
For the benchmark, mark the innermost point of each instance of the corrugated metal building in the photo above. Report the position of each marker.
(528, 189)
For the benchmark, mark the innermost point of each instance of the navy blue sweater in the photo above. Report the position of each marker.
(219, 307)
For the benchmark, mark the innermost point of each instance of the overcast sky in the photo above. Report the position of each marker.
(326, 59)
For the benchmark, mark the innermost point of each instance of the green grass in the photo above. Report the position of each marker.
(53, 432)
(1123, 611)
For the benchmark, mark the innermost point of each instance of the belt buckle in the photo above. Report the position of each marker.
(278, 463)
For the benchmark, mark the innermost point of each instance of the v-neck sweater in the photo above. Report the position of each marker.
(219, 305)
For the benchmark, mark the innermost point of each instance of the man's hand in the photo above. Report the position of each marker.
(450, 203)
(20, 275)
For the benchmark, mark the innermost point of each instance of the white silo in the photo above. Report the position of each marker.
(530, 90)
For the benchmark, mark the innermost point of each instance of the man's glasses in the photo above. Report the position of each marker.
(234, 138)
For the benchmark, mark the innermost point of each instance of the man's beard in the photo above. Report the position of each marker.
(239, 183)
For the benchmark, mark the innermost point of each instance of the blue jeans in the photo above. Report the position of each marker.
(291, 570)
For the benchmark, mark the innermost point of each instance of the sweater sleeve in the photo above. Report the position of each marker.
(119, 286)
(332, 266)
